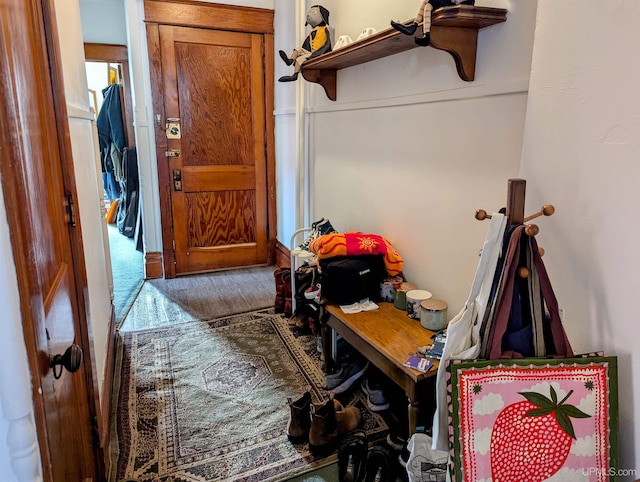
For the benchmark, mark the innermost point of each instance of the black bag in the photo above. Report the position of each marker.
(347, 279)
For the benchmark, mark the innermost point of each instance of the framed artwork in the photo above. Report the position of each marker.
(534, 419)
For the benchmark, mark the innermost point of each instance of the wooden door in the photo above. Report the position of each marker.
(38, 186)
(214, 94)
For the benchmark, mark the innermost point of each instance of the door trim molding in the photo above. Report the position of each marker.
(213, 16)
(153, 265)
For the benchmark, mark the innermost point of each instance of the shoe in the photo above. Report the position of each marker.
(405, 29)
(283, 288)
(375, 396)
(397, 442)
(299, 418)
(328, 423)
(304, 246)
(423, 41)
(321, 228)
(351, 369)
(352, 456)
(285, 58)
(289, 78)
(312, 291)
(379, 467)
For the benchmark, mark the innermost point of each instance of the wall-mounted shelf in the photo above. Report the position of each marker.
(453, 29)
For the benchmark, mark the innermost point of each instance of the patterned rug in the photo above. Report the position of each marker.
(206, 401)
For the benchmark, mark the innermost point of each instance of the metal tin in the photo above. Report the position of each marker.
(433, 314)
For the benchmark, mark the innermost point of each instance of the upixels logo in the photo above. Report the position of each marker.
(611, 472)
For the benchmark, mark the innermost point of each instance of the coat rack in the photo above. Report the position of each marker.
(516, 190)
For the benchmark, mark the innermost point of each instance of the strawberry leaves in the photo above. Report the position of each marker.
(562, 412)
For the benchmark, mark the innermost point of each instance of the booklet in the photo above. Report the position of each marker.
(418, 363)
(357, 307)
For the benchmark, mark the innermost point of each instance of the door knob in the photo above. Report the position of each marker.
(71, 360)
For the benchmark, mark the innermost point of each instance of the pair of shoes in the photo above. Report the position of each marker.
(352, 368)
(396, 441)
(328, 422)
(299, 423)
(283, 290)
(380, 467)
(375, 396)
(319, 228)
(352, 456)
(312, 292)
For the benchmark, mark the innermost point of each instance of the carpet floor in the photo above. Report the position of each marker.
(127, 269)
(206, 401)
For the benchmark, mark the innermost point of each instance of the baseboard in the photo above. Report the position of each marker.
(283, 256)
(107, 387)
(153, 265)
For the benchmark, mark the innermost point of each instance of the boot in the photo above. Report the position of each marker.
(283, 288)
(328, 422)
(405, 29)
(299, 418)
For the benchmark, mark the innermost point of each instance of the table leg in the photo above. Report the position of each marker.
(325, 332)
(414, 410)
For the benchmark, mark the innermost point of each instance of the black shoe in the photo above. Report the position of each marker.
(352, 456)
(424, 41)
(288, 78)
(380, 467)
(285, 58)
(405, 29)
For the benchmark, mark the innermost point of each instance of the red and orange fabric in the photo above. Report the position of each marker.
(355, 243)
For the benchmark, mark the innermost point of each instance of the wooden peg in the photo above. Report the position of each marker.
(523, 272)
(481, 215)
(547, 210)
(532, 230)
(541, 251)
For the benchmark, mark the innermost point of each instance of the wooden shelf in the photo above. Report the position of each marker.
(453, 29)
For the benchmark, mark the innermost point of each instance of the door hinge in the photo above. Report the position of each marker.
(70, 212)
(95, 433)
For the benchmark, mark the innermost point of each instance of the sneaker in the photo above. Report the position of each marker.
(312, 291)
(397, 442)
(313, 234)
(375, 396)
(351, 369)
(321, 228)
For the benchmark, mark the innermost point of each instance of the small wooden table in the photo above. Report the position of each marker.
(386, 337)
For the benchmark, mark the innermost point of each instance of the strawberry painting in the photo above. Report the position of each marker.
(531, 439)
(533, 420)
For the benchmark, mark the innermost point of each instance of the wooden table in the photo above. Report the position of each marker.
(386, 337)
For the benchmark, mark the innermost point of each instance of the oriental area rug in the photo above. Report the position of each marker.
(206, 401)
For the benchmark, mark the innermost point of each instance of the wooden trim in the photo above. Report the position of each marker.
(207, 15)
(153, 265)
(107, 388)
(269, 89)
(119, 54)
(283, 256)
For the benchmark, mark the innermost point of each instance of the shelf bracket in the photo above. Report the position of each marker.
(461, 43)
(326, 78)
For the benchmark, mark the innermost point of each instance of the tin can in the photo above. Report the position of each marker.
(433, 314)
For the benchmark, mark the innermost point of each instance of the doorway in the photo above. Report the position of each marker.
(109, 94)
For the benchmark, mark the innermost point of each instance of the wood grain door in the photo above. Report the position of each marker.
(38, 188)
(214, 89)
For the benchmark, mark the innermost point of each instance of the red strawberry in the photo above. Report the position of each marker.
(531, 440)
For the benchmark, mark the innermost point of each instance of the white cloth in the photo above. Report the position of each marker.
(425, 464)
(463, 331)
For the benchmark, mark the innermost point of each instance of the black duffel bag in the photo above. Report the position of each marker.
(348, 279)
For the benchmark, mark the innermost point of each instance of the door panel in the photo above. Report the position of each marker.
(35, 180)
(214, 84)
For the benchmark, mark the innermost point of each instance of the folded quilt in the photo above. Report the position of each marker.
(355, 243)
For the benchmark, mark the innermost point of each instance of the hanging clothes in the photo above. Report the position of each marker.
(463, 332)
(111, 140)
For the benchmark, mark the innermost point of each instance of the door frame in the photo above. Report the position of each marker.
(18, 216)
(217, 17)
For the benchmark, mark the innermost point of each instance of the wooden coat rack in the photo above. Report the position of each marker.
(516, 190)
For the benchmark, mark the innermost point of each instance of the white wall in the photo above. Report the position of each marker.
(581, 148)
(103, 21)
(410, 151)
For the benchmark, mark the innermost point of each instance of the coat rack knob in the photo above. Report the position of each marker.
(547, 210)
(481, 215)
(532, 230)
(523, 272)
(541, 251)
